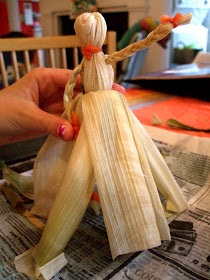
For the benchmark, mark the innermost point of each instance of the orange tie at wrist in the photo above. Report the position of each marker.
(89, 50)
(75, 124)
(173, 20)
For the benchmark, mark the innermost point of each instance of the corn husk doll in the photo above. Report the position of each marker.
(113, 150)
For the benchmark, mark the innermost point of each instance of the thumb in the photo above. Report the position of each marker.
(54, 125)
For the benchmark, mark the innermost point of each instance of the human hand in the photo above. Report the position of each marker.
(33, 105)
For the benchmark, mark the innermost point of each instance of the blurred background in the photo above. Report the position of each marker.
(47, 18)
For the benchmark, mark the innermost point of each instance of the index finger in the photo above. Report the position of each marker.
(61, 77)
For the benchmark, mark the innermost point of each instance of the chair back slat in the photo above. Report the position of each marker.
(3, 71)
(75, 57)
(27, 61)
(43, 43)
(52, 58)
(55, 46)
(15, 65)
(39, 58)
(63, 58)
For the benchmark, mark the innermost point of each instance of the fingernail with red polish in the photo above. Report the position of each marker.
(61, 130)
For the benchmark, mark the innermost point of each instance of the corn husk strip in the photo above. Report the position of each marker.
(25, 263)
(176, 124)
(96, 206)
(76, 190)
(151, 185)
(24, 184)
(126, 203)
(53, 267)
(34, 220)
(164, 180)
(13, 197)
(49, 169)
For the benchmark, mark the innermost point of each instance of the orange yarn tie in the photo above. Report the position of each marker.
(75, 124)
(173, 20)
(89, 50)
(95, 197)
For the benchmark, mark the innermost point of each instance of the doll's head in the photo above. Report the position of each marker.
(91, 29)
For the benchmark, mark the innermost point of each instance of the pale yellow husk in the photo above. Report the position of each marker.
(164, 180)
(69, 207)
(132, 211)
(49, 169)
(71, 202)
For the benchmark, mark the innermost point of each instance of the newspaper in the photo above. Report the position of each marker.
(186, 256)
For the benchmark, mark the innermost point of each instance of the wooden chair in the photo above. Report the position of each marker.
(50, 44)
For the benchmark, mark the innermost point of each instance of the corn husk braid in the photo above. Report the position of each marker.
(156, 35)
(159, 33)
(69, 90)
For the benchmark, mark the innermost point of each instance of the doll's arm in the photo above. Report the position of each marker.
(167, 24)
(68, 93)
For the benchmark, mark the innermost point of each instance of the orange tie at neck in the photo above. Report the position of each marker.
(173, 20)
(89, 50)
